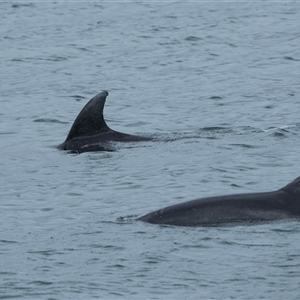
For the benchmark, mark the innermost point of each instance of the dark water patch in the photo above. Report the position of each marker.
(51, 58)
(171, 17)
(247, 146)
(254, 244)
(77, 97)
(235, 185)
(142, 68)
(295, 229)
(74, 194)
(40, 282)
(12, 296)
(232, 45)
(116, 266)
(193, 38)
(218, 169)
(45, 253)
(83, 49)
(159, 28)
(57, 58)
(88, 233)
(243, 168)
(215, 97)
(8, 274)
(48, 120)
(47, 209)
(107, 247)
(197, 246)
(145, 37)
(293, 256)
(215, 132)
(245, 130)
(279, 133)
(215, 129)
(6, 37)
(93, 261)
(291, 58)
(210, 137)
(7, 242)
(288, 266)
(229, 243)
(99, 5)
(8, 132)
(153, 259)
(18, 5)
(77, 47)
(223, 104)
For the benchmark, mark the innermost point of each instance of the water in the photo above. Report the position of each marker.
(219, 79)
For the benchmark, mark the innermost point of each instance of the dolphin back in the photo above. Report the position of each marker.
(249, 207)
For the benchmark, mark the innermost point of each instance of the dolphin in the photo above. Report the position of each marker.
(232, 209)
(90, 132)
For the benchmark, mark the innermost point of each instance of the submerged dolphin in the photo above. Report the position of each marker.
(253, 207)
(89, 130)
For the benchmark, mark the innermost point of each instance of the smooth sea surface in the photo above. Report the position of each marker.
(217, 84)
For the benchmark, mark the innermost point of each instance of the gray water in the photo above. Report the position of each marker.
(216, 83)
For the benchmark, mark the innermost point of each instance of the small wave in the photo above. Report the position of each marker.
(279, 134)
(17, 5)
(48, 120)
(245, 146)
(40, 282)
(215, 97)
(8, 132)
(51, 58)
(215, 128)
(193, 38)
(126, 219)
(283, 131)
(57, 58)
(7, 242)
(291, 58)
(77, 97)
(280, 128)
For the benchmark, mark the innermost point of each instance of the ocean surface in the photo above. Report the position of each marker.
(218, 86)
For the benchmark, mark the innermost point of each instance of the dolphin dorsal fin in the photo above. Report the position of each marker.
(294, 186)
(90, 120)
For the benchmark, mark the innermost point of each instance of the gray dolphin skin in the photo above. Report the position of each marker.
(90, 132)
(232, 209)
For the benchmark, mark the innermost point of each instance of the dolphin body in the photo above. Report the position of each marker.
(232, 209)
(90, 132)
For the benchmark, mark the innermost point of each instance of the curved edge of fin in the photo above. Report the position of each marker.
(293, 186)
(90, 120)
